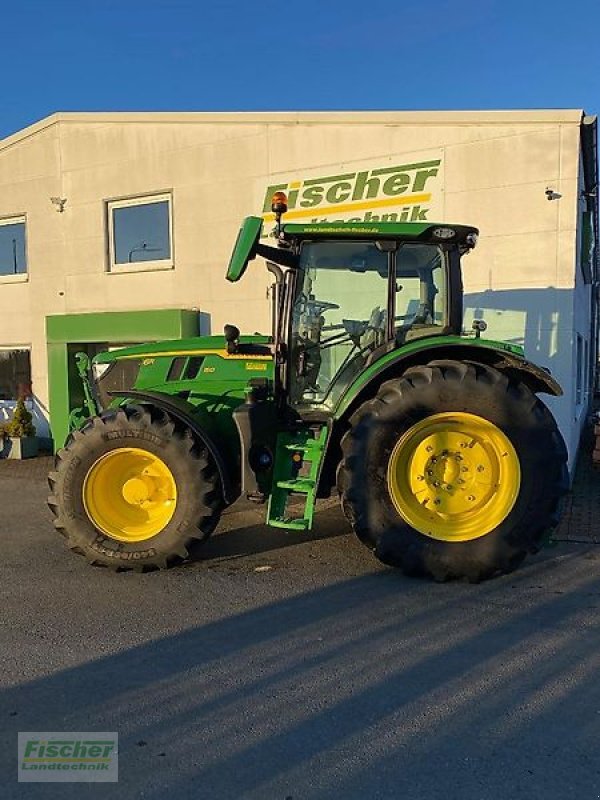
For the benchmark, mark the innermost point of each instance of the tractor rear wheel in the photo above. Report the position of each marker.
(134, 489)
(452, 471)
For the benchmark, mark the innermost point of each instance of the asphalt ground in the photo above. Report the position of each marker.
(285, 666)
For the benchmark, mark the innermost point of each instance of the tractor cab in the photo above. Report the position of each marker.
(355, 298)
(347, 293)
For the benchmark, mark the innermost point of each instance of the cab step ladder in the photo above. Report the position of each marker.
(297, 464)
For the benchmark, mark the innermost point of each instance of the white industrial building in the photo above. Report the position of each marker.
(121, 212)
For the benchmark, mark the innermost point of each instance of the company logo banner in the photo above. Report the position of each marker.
(404, 189)
(68, 757)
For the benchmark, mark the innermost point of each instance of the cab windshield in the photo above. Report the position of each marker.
(345, 295)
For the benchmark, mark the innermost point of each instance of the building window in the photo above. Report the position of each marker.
(140, 233)
(15, 374)
(13, 258)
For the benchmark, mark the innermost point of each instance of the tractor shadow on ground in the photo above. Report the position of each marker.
(370, 682)
(235, 538)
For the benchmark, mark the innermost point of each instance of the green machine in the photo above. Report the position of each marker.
(445, 460)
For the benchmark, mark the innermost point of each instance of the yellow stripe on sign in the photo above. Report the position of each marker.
(53, 760)
(364, 205)
(220, 353)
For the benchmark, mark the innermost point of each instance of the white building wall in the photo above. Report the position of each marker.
(494, 171)
(581, 377)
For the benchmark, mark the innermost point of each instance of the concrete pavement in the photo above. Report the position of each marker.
(284, 666)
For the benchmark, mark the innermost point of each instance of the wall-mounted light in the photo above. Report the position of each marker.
(59, 202)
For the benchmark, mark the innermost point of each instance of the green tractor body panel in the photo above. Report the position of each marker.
(196, 380)
(197, 345)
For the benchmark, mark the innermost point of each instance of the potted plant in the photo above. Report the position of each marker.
(19, 434)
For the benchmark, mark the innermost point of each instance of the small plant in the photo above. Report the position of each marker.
(20, 425)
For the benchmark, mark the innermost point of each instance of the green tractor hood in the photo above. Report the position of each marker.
(176, 347)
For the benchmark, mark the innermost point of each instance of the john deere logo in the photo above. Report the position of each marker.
(371, 193)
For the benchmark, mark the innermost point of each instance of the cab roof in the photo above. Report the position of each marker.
(371, 230)
(248, 243)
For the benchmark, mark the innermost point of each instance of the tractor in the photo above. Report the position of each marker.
(446, 461)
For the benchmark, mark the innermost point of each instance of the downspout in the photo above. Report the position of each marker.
(589, 138)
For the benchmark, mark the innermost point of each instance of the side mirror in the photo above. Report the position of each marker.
(232, 335)
(479, 326)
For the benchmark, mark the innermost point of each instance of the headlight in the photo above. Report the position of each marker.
(98, 370)
(444, 233)
(116, 376)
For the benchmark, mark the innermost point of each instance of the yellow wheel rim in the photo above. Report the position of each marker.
(454, 476)
(130, 494)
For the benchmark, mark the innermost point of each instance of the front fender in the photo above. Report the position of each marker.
(181, 410)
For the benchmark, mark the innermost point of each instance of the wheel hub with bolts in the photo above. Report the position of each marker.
(454, 476)
(142, 490)
(445, 472)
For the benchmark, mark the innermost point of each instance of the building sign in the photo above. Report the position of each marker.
(400, 190)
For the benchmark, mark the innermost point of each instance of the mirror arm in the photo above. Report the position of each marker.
(277, 255)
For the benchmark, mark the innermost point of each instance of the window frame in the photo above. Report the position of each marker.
(113, 268)
(19, 277)
(447, 325)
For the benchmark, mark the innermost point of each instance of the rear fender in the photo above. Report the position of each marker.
(396, 363)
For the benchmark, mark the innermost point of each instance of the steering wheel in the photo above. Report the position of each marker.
(318, 306)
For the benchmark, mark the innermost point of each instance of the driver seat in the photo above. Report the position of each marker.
(372, 337)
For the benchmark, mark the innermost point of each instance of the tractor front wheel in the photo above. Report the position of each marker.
(133, 489)
(452, 471)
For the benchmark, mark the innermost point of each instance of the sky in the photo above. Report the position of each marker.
(234, 55)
